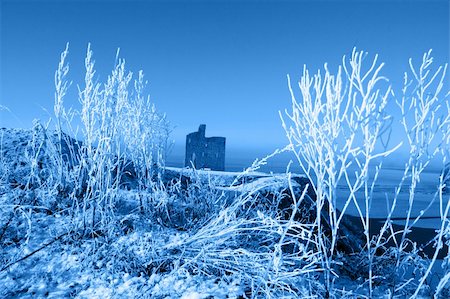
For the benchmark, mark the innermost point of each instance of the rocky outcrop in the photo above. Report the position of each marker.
(30, 156)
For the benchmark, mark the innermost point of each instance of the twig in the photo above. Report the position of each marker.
(35, 251)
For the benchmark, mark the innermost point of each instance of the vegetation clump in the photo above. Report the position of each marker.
(99, 213)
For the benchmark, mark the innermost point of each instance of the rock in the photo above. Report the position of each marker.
(350, 239)
(446, 177)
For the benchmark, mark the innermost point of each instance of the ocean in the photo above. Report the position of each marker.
(383, 193)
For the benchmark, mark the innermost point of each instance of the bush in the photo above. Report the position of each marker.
(124, 140)
(339, 131)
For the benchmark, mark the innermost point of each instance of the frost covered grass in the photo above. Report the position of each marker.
(237, 249)
(102, 205)
(99, 215)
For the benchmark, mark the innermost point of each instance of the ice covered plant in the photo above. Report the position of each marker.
(61, 87)
(339, 131)
(425, 119)
(124, 138)
(338, 124)
(444, 285)
(239, 241)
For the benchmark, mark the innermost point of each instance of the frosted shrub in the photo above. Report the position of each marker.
(185, 202)
(425, 119)
(252, 245)
(338, 124)
(339, 131)
(443, 287)
(38, 153)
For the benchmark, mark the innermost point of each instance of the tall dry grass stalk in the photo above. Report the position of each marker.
(124, 138)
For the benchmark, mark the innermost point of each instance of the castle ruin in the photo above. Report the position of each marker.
(205, 152)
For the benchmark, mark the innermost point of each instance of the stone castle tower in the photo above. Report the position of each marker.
(205, 152)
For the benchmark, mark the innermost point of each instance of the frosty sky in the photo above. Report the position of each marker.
(217, 62)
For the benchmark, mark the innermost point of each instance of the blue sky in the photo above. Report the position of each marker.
(223, 63)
